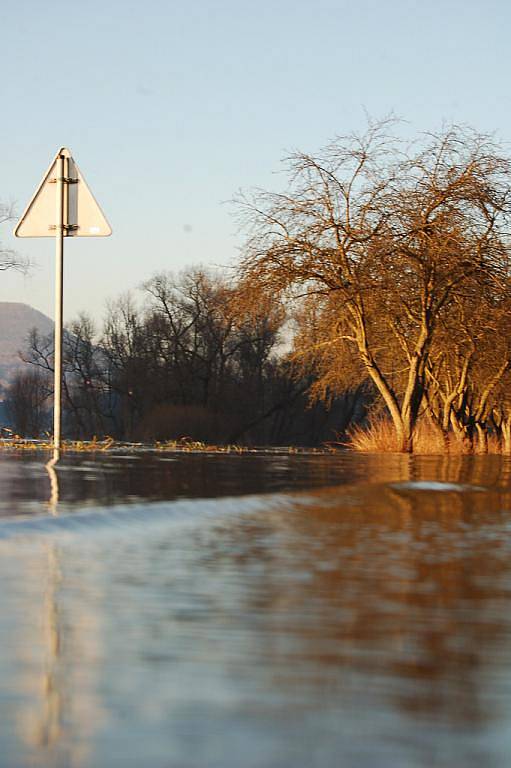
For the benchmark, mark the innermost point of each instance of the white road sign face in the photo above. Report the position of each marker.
(82, 215)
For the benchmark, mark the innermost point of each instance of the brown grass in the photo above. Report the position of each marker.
(494, 444)
(17, 443)
(180, 445)
(188, 445)
(380, 437)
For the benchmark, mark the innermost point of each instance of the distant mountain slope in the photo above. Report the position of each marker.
(16, 322)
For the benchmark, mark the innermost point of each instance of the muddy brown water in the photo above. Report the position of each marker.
(255, 611)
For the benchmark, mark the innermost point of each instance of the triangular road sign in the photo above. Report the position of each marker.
(82, 215)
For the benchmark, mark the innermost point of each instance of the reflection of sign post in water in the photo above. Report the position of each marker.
(53, 502)
(63, 206)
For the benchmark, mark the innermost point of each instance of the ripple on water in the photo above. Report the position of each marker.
(436, 486)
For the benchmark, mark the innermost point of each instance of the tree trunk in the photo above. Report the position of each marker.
(505, 428)
(403, 431)
(482, 439)
(461, 433)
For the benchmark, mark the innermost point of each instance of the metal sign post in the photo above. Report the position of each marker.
(59, 303)
(62, 206)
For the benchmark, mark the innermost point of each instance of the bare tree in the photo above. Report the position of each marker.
(379, 239)
(86, 392)
(10, 259)
(469, 360)
(27, 401)
(210, 350)
(128, 363)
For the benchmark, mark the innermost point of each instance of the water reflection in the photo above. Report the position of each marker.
(40, 723)
(54, 482)
(362, 624)
(133, 478)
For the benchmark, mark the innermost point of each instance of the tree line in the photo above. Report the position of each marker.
(191, 361)
(376, 284)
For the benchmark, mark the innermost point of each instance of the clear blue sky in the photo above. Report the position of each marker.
(170, 107)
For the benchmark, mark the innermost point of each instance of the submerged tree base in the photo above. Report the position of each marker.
(381, 437)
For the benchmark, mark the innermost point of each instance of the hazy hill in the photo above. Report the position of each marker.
(16, 322)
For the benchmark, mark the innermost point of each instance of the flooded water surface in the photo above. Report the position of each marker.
(255, 611)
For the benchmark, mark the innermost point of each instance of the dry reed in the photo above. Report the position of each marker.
(380, 437)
